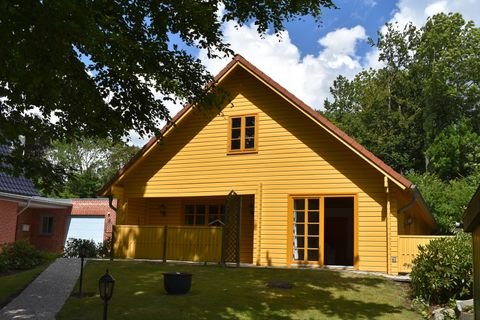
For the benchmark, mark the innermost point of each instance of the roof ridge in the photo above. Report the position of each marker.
(329, 126)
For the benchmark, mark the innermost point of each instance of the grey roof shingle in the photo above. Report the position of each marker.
(16, 185)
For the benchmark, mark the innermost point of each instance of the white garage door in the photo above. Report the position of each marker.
(86, 228)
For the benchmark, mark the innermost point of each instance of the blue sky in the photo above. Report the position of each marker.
(311, 56)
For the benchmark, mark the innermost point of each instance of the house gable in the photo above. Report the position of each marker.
(240, 62)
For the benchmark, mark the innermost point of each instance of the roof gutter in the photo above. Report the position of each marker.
(417, 196)
(32, 200)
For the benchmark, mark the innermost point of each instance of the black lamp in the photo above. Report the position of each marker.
(82, 252)
(105, 285)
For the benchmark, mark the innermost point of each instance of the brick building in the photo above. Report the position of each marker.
(45, 222)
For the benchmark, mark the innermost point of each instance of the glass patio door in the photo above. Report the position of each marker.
(307, 230)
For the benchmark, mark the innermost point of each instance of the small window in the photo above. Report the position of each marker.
(200, 214)
(47, 225)
(243, 133)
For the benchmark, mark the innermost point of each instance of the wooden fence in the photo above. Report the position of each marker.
(408, 249)
(187, 243)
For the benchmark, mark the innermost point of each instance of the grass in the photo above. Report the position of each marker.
(13, 283)
(231, 293)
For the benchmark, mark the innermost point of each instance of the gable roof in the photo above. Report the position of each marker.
(15, 185)
(239, 61)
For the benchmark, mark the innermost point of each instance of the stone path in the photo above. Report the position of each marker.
(45, 296)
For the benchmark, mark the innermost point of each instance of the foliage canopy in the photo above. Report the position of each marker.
(70, 69)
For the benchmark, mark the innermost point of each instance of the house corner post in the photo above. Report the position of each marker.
(388, 224)
(112, 244)
(165, 235)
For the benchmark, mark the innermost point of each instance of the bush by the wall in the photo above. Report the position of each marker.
(100, 250)
(20, 255)
(443, 270)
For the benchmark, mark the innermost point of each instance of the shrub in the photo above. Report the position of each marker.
(100, 250)
(104, 248)
(20, 255)
(443, 270)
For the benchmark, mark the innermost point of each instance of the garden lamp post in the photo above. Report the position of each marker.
(82, 252)
(105, 285)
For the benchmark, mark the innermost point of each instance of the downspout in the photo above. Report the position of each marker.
(110, 204)
(19, 213)
(412, 202)
(26, 207)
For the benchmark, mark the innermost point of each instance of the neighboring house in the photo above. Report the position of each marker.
(309, 194)
(24, 215)
(91, 219)
(471, 222)
(45, 222)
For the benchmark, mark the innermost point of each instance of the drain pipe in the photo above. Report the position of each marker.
(412, 202)
(110, 204)
(26, 207)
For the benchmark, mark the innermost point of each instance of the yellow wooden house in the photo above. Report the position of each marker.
(309, 194)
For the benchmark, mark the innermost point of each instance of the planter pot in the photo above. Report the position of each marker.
(177, 282)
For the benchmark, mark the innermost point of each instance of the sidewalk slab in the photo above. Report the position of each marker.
(45, 296)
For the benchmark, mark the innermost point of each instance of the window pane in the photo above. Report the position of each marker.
(249, 143)
(313, 216)
(250, 121)
(313, 242)
(313, 229)
(300, 242)
(236, 133)
(298, 204)
(250, 132)
(235, 145)
(189, 209)
(200, 220)
(189, 220)
(213, 210)
(299, 229)
(236, 122)
(300, 255)
(201, 209)
(313, 255)
(299, 216)
(313, 204)
(47, 224)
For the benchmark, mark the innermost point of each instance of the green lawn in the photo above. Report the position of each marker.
(231, 293)
(12, 284)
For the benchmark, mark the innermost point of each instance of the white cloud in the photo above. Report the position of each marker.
(308, 77)
(370, 3)
(417, 11)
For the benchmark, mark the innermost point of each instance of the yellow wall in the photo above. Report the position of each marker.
(295, 156)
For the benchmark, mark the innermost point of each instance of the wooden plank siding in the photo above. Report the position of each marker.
(294, 156)
(184, 243)
(408, 249)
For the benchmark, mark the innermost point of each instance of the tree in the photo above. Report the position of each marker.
(455, 152)
(446, 199)
(430, 82)
(70, 69)
(87, 165)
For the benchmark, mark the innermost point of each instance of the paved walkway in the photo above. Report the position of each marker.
(45, 296)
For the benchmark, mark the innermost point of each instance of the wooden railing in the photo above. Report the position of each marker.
(408, 249)
(186, 243)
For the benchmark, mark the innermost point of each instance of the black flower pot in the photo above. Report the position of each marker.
(177, 282)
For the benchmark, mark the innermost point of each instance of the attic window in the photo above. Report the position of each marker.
(243, 134)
